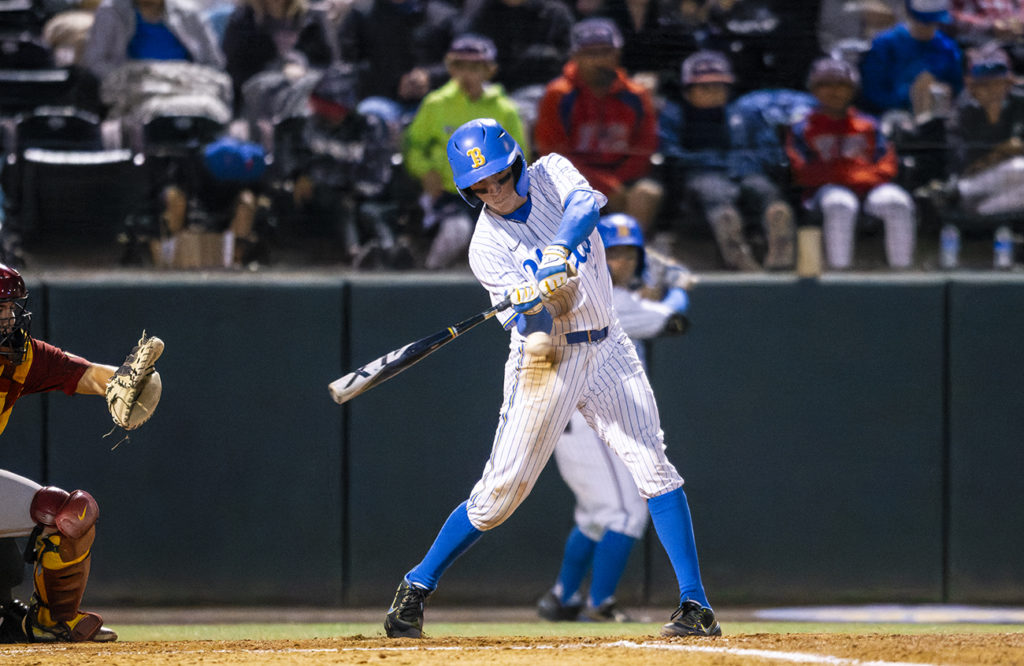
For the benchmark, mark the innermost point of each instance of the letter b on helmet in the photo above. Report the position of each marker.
(482, 148)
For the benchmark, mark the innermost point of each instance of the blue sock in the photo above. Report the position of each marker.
(579, 551)
(610, 559)
(671, 517)
(456, 536)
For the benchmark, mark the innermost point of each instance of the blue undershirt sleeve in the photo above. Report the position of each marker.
(579, 220)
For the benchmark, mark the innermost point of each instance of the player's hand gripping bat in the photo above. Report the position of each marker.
(387, 366)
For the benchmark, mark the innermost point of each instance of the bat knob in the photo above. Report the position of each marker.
(334, 388)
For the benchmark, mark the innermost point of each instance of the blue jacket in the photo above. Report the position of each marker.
(894, 61)
(752, 142)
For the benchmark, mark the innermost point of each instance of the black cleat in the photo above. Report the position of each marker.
(405, 617)
(552, 609)
(692, 619)
(608, 611)
(12, 614)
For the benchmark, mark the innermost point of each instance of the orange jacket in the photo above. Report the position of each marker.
(849, 151)
(610, 139)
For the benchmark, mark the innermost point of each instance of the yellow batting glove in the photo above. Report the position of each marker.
(555, 269)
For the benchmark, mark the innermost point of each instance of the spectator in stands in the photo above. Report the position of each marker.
(911, 75)
(447, 221)
(914, 66)
(987, 137)
(844, 166)
(768, 42)
(846, 29)
(714, 173)
(603, 122)
(398, 47)
(532, 37)
(261, 34)
(655, 39)
(148, 30)
(211, 218)
(977, 22)
(342, 170)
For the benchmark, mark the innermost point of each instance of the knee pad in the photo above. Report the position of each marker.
(60, 558)
(72, 514)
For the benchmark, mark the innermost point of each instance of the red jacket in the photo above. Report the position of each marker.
(849, 151)
(610, 139)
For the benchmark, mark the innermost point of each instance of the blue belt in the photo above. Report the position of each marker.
(586, 336)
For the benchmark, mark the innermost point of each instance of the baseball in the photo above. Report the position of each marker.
(538, 343)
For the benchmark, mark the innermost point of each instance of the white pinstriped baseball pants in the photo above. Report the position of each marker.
(607, 383)
(16, 493)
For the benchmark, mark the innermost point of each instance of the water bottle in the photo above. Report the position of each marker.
(949, 246)
(1003, 247)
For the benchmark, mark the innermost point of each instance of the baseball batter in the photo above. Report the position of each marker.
(610, 514)
(535, 241)
(60, 525)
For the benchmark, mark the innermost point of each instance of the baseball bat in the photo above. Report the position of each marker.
(387, 366)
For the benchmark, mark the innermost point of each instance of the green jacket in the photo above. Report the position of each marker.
(442, 112)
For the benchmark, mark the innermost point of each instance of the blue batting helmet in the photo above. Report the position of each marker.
(482, 148)
(622, 229)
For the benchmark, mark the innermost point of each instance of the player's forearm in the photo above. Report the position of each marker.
(94, 381)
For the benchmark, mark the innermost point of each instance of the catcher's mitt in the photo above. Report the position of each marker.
(134, 390)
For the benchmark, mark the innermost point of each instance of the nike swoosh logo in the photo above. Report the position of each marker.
(84, 509)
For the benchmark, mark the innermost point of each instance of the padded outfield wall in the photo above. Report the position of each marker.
(853, 439)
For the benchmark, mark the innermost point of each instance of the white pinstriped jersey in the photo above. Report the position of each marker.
(505, 253)
(603, 380)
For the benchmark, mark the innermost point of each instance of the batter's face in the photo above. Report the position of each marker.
(622, 263)
(498, 192)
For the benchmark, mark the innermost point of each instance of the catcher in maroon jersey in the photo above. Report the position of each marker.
(60, 525)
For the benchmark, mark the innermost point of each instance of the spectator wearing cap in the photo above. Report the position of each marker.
(262, 33)
(844, 167)
(987, 137)
(715, 175)
(532, 38)
(913, 66)
(447, 222)
(341, 169)
(603, 122)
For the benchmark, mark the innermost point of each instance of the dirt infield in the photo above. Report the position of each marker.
(835, 649)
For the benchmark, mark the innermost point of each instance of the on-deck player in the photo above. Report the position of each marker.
(535, 240)
(61, 526)
(650, 297)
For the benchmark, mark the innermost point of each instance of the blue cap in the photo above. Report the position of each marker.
(929, 11)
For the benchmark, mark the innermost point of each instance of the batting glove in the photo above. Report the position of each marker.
(555, 269)
(525, 299)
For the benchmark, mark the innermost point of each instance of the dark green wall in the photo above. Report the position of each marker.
(852, 439)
